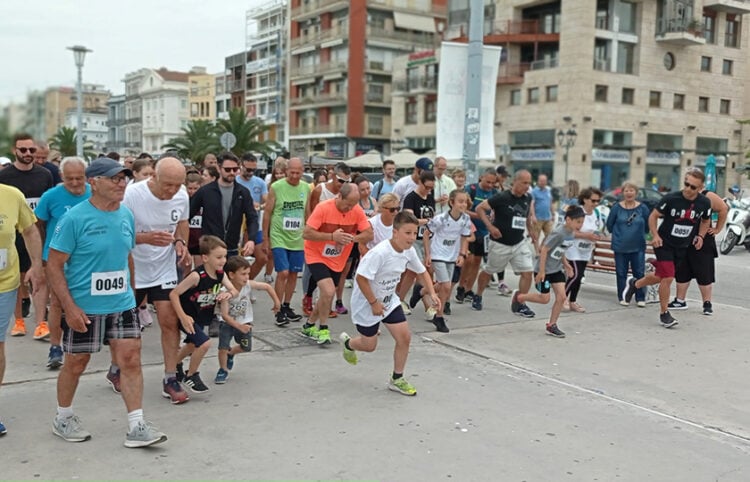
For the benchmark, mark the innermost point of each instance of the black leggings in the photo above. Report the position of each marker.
(573, 285)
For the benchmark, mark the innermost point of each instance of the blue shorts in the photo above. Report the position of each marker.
(198, 338)
(286, 260)
(7, 307)
(259, 238)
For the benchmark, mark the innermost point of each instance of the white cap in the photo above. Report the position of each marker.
(4, 161)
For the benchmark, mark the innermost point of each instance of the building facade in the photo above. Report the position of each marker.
(414, 101)
(265, 93)
(222, 99)
(649, 88)
(93, 128)
(116, 124)
(59, 100)
(201, 96)
(340, 69)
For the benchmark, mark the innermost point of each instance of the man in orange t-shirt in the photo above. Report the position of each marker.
(332, 230)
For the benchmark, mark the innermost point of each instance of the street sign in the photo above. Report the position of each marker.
(228, 140)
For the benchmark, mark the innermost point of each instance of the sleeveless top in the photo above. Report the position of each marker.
(200, 300)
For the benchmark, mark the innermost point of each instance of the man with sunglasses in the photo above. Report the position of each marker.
(686, 217)
(33, 181)
(259, 191)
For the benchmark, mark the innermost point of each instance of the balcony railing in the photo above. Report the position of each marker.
(512, 73)
(323, 98)
(680, 31)
(316, 69)
(321, 36)
(543, 64)
(411, 38)
(315, 6)
(317, 129)
(410, 6)
(235, 85)
(603, 65)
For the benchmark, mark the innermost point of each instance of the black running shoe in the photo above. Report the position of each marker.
(469, 295)
(553, 330)
(515, 305)
(676, 304)
(666, 319)
(281, 319)
(525, 311)
(180, 375)
(447, 308)
(440, 325)
(629, 291)
(290, 314)
(707, 308)
(460, 295)
(415, 295)
(195, 384)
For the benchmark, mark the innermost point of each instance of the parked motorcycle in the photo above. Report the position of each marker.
(738, 223)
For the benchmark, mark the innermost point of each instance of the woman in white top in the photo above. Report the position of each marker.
(382, 223)
(579, 253)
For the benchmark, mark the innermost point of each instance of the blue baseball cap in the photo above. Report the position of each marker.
(104, 166)
(424, 163)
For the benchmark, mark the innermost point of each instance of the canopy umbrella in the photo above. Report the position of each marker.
(371, 160)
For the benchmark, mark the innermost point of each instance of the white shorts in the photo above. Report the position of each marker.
(499, 255)
(443, 271)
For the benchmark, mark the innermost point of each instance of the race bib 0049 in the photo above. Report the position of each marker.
(108, 283)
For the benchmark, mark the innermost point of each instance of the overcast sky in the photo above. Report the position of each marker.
(124, 35)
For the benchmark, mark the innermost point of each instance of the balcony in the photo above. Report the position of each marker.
(509, 74)
(408, 6)
(260, 65)
(405, 40)
(315, 7)
(317, 69)
(418, 85)
(739, 7)
(235, 86)
(319, 37)
(514, 31)
(680, 31)
(325, 98)
(318, 130)
(382, 99)
(378, 129)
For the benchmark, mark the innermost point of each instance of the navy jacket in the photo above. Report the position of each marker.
(208, 197)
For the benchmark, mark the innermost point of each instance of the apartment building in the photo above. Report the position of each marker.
(202, 94)
(59, 100)
(649, 88)
(341, 57)
(265, 93)
(116, 124)
(93, 128)
(222, 99)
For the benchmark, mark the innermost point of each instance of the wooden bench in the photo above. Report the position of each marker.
(603, 259)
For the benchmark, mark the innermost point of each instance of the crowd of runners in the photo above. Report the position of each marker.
(95, 246)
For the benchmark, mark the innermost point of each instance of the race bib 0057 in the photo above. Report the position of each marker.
(681, 231)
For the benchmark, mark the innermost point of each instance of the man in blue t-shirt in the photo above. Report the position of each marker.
(90, 270)
(53, 205)
(543, 213)
(259, 191)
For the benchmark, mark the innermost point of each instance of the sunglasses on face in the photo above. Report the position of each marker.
(231, 169)
(595, 201)
(694, 188)
(391, 210)
(342, 180)
(23, 150)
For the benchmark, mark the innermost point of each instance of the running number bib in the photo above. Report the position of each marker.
(292, 224)
(331, 251)
(3, 258)
(32, 202)
(449, 242)
(108, 283)
(557, 253)
(585, 245)
(387, 300)
(196, 221)
(519, 222)
(420, 231)
(487, 244)
(169, 285)
(681, 231)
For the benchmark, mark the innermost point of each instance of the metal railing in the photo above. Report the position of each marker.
(410, 6)
(323, 98)
(679, 25)
(602, 64)
(317, 129)
(414, 38)
(313, 6)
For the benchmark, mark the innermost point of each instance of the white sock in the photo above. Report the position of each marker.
(64, 412)
(681, 301)
(134, 417)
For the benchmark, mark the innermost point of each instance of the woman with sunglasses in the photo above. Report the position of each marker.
(628, 223)
(382, 222)
(583, 245)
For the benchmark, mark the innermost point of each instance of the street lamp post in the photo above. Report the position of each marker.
(79, 54)
(566, 140)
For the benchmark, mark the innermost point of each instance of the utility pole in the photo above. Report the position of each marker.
(473, 91)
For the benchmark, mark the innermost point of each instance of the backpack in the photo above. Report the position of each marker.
(379, 187)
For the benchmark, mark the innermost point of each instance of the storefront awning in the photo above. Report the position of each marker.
(410, 21)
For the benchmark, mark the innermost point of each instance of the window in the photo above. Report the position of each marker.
(533, 95)
(551, 93)
(375, 92)
(732, 31)
(709, 26)
(663, 142)
(628, 96)
(702, 104)
(725, 106)
(678, 102)
(625, 57)
(711, 145)
(183, 103)
(705, 64)
(430, 110)
(533, 138)
(654, 99)
(612, 138)
(515, 97)
(727, 66)
(374, 124)
(411, 112)
(600, 93)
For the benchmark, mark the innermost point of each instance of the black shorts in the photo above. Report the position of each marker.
(396, 316)
(319, 272)
(154, 293)
(456, 274)
(550, 278)
(698, 264)
(476, 247)
(24, 261)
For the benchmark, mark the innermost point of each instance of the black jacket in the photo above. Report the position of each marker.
(208, 197)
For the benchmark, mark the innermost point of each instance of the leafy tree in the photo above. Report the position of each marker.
(65, 140)
(6, 139)
(247, 131)
(198, 139)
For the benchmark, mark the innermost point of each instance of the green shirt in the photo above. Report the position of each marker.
(288, 217)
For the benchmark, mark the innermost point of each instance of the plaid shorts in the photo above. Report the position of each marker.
(114, 326)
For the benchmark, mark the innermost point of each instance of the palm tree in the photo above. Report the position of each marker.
(6, 139)
(198, 139)
(247, 132)
(65, 141)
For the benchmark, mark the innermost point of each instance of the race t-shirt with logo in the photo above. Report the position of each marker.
(477, 195)
(445, 243)
(681, 218)
(52, 207)
(155, 265)
(199, 301)
(326, 218)
(423, 208)
(98, 243)
(15, 217)
(241, 307)
(380, 232)
(557, 243)
(510, 216)
(288, 217)
(383, 267)
(582, 248)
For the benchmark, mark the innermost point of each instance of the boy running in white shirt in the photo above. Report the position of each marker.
(374, 298)
(237, 315)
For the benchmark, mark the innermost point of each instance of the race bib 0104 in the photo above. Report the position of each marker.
(679, 231)
(292, 224)
(108, 283)
(518, 222)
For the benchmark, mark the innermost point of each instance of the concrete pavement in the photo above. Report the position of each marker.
(619, 398)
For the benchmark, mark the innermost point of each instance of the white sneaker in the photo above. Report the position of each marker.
(268, 278)
(503, 289)
(430, 313)
(641, 304)
(348, 284)
(70, 429)
(624, 303)
(405, 308)
(143, 435)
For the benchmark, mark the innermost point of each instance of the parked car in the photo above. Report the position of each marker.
(647, 196)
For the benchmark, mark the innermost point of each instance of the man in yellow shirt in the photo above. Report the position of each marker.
(15, 215)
